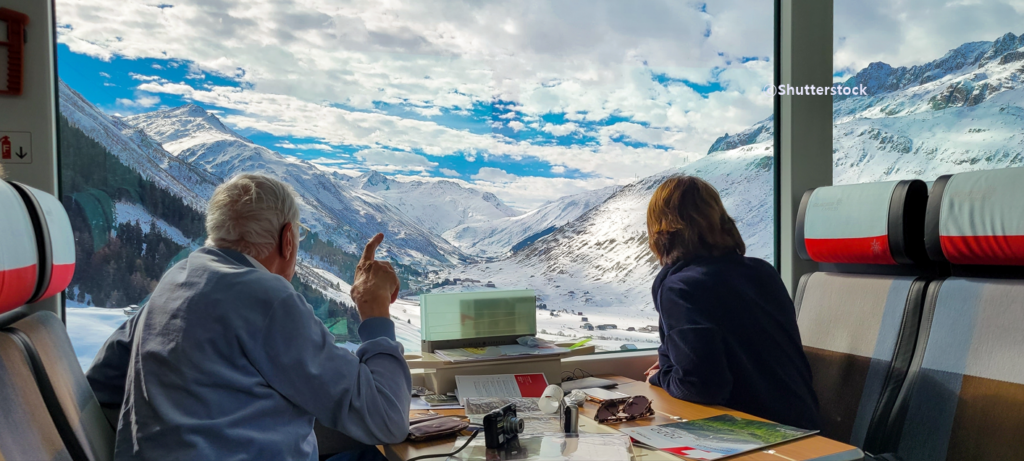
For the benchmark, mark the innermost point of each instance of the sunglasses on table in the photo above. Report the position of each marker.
(623, 409)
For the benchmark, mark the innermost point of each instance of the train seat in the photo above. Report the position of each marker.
(26, 431)
(964, 393)
(53, 366)
(858, 315)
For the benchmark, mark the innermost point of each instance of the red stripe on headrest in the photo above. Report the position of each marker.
(16, 286)
(995, 250)
(859, 250)
(60, 278)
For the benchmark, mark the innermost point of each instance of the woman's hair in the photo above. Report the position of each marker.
(686, 219)
(247, 213)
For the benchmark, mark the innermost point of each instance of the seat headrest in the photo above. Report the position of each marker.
(55, 240)
(875, 223)
(977, 218)
(19, 259)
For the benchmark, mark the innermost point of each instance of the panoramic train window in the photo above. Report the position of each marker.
(498, 145)
(942, 83)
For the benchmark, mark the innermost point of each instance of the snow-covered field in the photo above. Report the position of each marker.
(89, 328)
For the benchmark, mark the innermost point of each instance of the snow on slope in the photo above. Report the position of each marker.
(136, 150)
(497, 237)
(346, 215)
(961, 112)
(600, 263)
(130, 212)
(436, 205)
(332, 286)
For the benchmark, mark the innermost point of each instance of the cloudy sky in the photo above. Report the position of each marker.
(909, 32)
(529, 99)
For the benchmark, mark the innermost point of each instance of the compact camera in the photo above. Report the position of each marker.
(501, 426)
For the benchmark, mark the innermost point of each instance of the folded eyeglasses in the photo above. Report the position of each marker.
(623, 409)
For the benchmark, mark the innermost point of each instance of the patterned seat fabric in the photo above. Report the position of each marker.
(859, 327)
(26, 431)
(64, 386)
(964, 397)
(858, 333)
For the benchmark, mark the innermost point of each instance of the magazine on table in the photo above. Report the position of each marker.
(715, 437)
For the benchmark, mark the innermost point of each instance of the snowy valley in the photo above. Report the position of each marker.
(586, 254)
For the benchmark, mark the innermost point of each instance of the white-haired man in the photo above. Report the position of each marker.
(227, 361)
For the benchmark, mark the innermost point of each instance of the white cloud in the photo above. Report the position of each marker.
(282, 115)
(910, 32)
(312, 146)
(587, 59)
(449, 173)
(104, 75)
(145, 78)
(560, 130)
(494, 175)
(335, 161)
(195, 72)
(427, 111)
(558, 169)
(140, 102)
(394, 159)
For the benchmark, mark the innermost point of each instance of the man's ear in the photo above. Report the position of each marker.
(287, 241)
(394, 296)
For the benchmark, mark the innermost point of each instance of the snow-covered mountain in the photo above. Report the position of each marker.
(600, 263)
(762, 131)
(436, 205)
(138, 151)
(346, 215)
(960, 112)
(497, 237)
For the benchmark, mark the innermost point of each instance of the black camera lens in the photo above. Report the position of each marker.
(514, 425)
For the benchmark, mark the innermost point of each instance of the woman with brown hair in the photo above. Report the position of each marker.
(727, 324)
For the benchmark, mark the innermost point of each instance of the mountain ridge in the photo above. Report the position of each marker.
(344, 214)
(879, 77)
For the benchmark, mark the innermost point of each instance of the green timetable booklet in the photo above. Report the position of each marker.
(715, 437)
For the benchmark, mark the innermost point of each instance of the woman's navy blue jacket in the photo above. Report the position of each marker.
(729, 337)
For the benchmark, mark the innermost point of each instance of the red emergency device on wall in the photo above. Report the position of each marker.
(15, 44)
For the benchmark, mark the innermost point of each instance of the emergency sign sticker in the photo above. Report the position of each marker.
(15, 147)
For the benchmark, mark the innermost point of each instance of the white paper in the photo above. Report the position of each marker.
(487, 386)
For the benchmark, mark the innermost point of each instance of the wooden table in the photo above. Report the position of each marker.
(808, 448)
